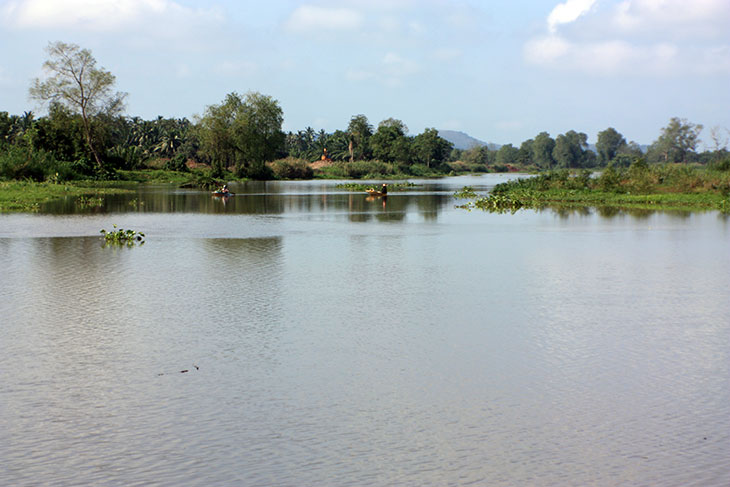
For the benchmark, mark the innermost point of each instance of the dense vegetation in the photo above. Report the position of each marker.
(638, 186)
(86, 136)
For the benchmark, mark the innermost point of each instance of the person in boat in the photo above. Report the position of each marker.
(224, 189)
(384, 189)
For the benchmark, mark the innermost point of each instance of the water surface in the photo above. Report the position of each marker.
(330, 339)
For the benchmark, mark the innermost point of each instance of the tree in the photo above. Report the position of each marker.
(570, 149)
(525, 155)
(677, 140)
(627, 154)
(608, 145)
(6, 123)
(430, 149)
(508, 155)
(542, 150)
(477, 155)
(720, 137)
(359, 131)
(75, 81)
(245, 132)
(61, 133)
(390, 143)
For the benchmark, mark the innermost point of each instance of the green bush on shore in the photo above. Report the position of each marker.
(639, 185)
(292, 168)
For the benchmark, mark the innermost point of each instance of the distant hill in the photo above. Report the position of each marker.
(464, 141)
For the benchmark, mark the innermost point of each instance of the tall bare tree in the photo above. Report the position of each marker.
(73, 80)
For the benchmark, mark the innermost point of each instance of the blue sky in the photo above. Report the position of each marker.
(502, 71)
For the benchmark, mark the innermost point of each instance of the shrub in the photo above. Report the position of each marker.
(124, 157)
(610, 179)
(723, 165)
(259, 172)
(292, 168)
(22, 163)
(177, 163)
(360, 169)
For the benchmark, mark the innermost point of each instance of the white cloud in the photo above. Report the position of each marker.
(648, 37)
(311, 18)
(99, 15)
(567, 12)
(546, 50)
(680, 17)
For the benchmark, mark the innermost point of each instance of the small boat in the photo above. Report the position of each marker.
(222, 193)
(372, 192)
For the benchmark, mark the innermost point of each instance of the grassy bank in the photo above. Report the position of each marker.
(27, 196)
(637, 187)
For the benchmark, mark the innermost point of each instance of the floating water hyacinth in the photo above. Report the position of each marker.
(120, 236)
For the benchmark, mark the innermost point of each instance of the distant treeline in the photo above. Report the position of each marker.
(86, 135)
(54, 146)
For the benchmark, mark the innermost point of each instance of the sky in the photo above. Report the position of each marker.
(501, 71)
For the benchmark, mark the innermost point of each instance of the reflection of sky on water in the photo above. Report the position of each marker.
(340, 339)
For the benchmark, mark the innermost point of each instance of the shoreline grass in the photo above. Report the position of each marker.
(28, 196)
(665, 187)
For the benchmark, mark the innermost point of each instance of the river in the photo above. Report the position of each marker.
(298, 334)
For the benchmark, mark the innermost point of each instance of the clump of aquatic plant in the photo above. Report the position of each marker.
(89, 202)
(120, 236)
(499, 203)
(466, 192)
(404, 186)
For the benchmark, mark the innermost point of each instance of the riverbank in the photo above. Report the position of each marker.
(28, 196)
(637, 187)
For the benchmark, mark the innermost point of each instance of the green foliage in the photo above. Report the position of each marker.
(430, 149)
(609, 143)
(421, 171)
(61, 133)
(542, 151)
(29, 196)
(677, 141)
(392, 186)
(390, 143)
(74, 81)
(245, 132)
(373, 169)
(89, 202)
(641, 185)
(205, 180)
(570, 150)
(466, 192)
(508, 155)
(723, 165)
(463, 167)
(177, 163)
(359, 132)
(18, 162)
(124, 157)
(610, 179)
(362, 169)
(120, 236)
(477, 155)
(525, 155)
(291, 168)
